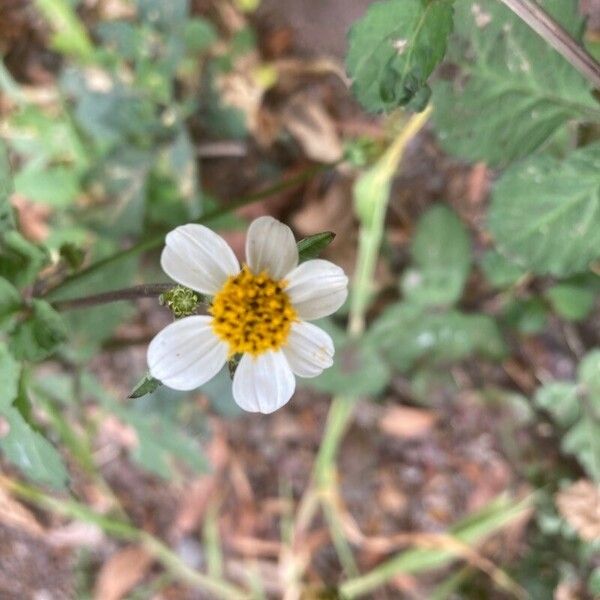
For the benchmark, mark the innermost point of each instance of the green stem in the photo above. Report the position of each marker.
(157, 240)
(171, 561)
(150, 290)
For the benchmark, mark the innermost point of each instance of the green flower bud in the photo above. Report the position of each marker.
(182, 301)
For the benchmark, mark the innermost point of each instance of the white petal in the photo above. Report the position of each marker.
(309, 350)
(317, 288)
(263, 383)
(271, 247)
(198, 258)
(186, 353)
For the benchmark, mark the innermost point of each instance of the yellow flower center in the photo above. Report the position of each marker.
(252, 313)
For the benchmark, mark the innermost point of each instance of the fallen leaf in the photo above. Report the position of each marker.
(309, 123)
(405, 422)
(121, 573)
(579, 504)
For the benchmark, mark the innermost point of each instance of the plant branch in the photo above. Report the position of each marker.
(157, 240)
(553, 33)
(151, 290)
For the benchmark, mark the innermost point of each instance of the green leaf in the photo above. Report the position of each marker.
(159, 440)
(406, 335)
(199, 35)
(515, 91)
(499, 271)
(393, 50)
(20, 260)
(7, 220)
(570, 301)
(57, 186)
(70, 36)
(146, 385)
(589, 374)
(441, 250)
(357, 370)
(10, 372)
(527, 315)
(29, 451)
(561, 400)
(313, 245)
(39, 335)
(545, 213)
(10, 300)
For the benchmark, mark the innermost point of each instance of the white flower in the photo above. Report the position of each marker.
(259, 310)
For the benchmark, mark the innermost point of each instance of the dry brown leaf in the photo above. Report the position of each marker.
(405, 422)
(14, 514)
(121, 572)
(309, 123)
(579, 504)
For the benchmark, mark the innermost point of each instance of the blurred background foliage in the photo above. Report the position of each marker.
(480, 294)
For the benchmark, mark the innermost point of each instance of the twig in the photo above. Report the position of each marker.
(553, 33)
(151, 290)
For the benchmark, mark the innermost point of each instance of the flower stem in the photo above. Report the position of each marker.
(150, 290)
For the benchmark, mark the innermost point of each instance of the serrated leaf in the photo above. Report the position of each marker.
(441, 250)
(313, 245)
(545, 213)
(146, 385)
(406, 334)
(393, 50)
(38, 336)
(29, 451)
(515, 91)
(10, 372)
(20, 260)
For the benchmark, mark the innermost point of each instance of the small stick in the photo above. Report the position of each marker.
(151, 290)
(553, 33)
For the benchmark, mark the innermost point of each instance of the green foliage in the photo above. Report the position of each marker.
(515, 91)
(160, 441)
(442, 256)
(358, 369)
(407, 335)
(571, 302)
(70, 37)
(22, 445)
(576, 408)
(146, 385)
(10, 373)
(20, 260)
(40, 334)
(500, 271)
(312, 246)
(545, 213)
(10, 300)
(30, 452)
(7, 220)
(394, 49)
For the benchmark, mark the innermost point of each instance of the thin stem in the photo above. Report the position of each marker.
(150, 290)
(553, 33)
(157, 240)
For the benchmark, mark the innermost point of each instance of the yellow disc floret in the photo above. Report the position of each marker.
(252, 313)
